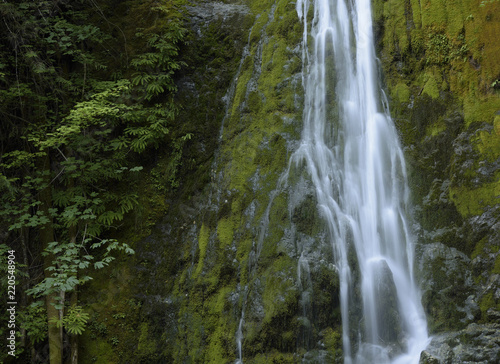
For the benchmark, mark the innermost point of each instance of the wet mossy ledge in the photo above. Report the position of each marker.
(441, 70)
(217, 273)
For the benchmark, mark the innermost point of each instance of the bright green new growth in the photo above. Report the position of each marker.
(74, 321)
(69, 260)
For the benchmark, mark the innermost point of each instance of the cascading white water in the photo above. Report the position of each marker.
(351, 150)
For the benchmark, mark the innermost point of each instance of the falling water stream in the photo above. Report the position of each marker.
(351, 149)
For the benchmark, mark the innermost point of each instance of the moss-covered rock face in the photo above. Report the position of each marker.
(236, 262)
(239, 266)
(241, 290)
(440, 61)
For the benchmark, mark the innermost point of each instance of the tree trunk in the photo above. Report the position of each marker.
(55, 334)
(74, 299)
(25, 282)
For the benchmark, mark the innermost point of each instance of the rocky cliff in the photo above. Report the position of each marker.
(440, 63)
(236, 263)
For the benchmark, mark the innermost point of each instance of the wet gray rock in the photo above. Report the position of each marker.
(428, 358)
(475, 344)
(467, 158)
(447, 286)
(485, 228)
(388, 313)
(207, 12)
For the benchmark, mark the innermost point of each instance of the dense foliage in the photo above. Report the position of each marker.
(81, 98)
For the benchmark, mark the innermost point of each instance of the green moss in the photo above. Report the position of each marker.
(378, 10)
(243, 151)
(289, 26)
(480, 108)
(436, 128)
(203, 238)
(449, 13)
(257, 28)
(401, 92)
(333, 341)
(254, 102)
(416, 13)
(473, 201)
(280, 293)
(395, 38)
(479, 248)
(275, 55)
(111, 332)
(146, 347)
(496, 267)
(272, 157)
(253, 152)
(274, 358)
(194, 342)
(278, 221)
(451, 47)
(437, 47)
(239, 95)
(259, 149)
(99, 351)
(305, 216)
(485, 29)
(260, 6)
(242, 255)
(225, 231)
(488, 301)
(220, 329)
(488, 143)
(431, 87)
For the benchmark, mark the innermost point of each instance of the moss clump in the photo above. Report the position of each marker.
(305, 216)
(496, 267)
(146, 348)
(203, 238)
(99, 351)
(472, 201)
(272, 156)
(225, 231)
(488, 301)
(431, 87)
(274, 357)
(220, 328)
(401, 92)
(333, 341)
(436, 128)
(488, 142)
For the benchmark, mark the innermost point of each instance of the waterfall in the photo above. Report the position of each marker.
(353, 156)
